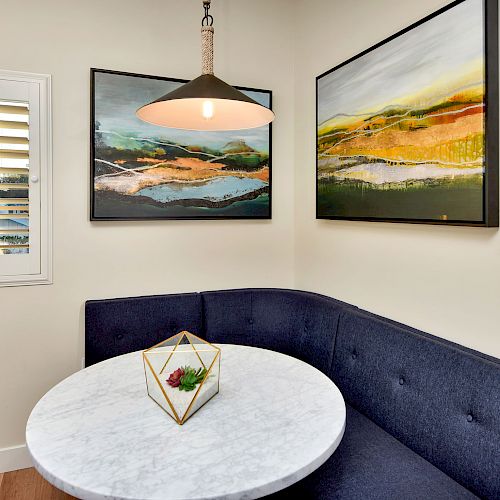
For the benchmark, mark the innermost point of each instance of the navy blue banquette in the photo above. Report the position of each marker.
(423, 414)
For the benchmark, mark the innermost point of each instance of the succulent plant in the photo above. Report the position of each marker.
(191, 378)
(186, 378)
(174, 380)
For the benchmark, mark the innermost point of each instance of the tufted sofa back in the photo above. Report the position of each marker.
(439, 399)
(119, 326)
(299, 324)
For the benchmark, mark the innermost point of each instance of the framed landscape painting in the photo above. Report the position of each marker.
(141, 171)
(407, 131)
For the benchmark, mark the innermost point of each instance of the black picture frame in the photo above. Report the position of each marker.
(95, 217)
(491, 122)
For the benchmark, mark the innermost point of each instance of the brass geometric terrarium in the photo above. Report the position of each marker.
(182, 374)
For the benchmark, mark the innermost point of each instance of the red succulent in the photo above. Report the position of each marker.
(174, 379)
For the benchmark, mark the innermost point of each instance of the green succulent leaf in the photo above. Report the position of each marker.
(191, 378)
(200, 375)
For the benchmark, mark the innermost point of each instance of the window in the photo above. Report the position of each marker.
(25, 178)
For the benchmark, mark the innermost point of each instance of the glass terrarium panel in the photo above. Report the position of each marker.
(208, 390)
(182, 374)
(155, 391)
(206, 352)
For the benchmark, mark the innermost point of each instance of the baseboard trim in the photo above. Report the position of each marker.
(14, 458)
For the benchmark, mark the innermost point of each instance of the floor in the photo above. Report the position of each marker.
(27, 484)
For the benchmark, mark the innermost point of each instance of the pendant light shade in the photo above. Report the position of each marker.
(206, 103)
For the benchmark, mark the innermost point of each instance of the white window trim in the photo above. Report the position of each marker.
(45, 275)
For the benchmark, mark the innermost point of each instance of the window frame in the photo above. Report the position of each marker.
(43, 81)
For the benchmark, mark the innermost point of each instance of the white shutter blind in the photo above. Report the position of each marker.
(25, 185)
(14, 177)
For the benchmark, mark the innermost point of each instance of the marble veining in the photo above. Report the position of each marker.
(97, 434)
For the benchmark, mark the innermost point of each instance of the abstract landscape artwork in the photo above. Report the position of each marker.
(141, 171)
(408, 130)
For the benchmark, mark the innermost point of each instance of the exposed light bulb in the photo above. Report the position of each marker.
(208, 110)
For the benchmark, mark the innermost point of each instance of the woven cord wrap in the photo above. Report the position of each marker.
(207, 50)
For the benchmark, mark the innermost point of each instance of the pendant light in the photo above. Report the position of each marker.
(206, 103)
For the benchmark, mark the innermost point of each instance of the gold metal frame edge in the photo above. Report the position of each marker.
(199, 389)
(161, 388)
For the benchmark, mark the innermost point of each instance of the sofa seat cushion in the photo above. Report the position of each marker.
(370, 464)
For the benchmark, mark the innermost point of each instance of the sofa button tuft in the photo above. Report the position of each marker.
(354, 355)
(119, 336)
(250, 321)
(401, 381)
(470, 418)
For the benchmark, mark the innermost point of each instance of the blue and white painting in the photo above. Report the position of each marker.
(143, 171)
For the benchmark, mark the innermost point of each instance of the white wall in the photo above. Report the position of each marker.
(444, 280)
(42, 326)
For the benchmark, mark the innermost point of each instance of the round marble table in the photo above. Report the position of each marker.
(98, 435)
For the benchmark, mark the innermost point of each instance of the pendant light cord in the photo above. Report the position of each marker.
(207, 41)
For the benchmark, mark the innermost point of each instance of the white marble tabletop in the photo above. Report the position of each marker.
(97, 434)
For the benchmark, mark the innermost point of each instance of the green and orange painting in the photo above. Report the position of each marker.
(143, 171)
(401, 129)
